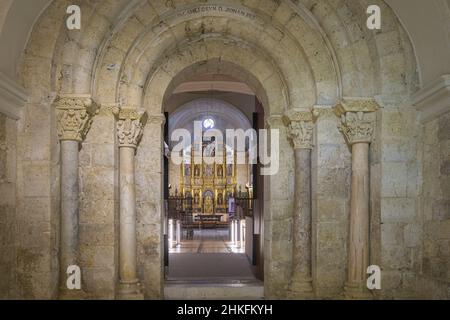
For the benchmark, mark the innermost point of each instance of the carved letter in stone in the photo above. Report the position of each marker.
(74, 115)
(130, 126)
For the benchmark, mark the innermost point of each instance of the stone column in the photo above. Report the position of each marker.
(130, 125)
(357, 125)
(74, 117)
(300, 130)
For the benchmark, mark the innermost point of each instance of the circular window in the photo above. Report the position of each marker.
(208, 123)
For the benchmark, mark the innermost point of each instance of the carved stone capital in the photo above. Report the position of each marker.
(357, 119)
(365, 105)
(274, 121)
(130, 126)
(158, 119)
(357, 127)
(300, 125)
(74, 114)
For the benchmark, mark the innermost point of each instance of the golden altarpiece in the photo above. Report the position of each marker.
(209, 180)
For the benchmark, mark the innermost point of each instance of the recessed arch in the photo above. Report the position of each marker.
(321, 34)
(225, 59)
(314, 71)
(218, 66)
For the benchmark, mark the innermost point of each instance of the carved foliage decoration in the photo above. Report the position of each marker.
(301, 134)
(130, 126)
(357, 127)
(74, 116)
(301, 128)
(357, 118)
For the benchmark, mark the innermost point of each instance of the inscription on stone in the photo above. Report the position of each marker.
(217, 9)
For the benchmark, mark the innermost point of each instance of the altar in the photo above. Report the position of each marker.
(211, 220)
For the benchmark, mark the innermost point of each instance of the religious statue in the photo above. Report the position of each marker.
(187, 169)
(208, 170)
(231, 206)
(229, 170)
(197, 170)
(196, 198)
(220, 199)
(210, 150)
(208, 204)
(220, 171)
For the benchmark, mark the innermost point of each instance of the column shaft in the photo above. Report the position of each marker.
(128, 268)
(358, 255)
(130, 124)
(358, 118)
(69, 206)
(301, 127)
(301, 274)
(74, 115)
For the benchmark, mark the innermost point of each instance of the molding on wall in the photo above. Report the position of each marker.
(434, 99)
(224, 86)
(12, 97)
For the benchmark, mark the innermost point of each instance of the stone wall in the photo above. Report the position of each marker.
(331, 172)
(8, 234)
(434, 278)
(98, 244)
(150, 212)
(395, 170)
(37, 210)
(38, 172)
(395, 230)
(278, 215)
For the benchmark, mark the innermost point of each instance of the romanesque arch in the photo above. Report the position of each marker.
(297, 56)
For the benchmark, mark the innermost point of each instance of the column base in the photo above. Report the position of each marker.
(301, 289)
(357, 291)
(130, 290)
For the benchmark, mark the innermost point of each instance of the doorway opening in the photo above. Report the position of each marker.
(214, 209)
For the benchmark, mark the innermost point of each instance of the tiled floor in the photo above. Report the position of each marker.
(208, 241)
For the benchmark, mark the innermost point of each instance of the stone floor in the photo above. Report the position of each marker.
(208, 241)
(241, 290)
(209, 256)
(209, 266)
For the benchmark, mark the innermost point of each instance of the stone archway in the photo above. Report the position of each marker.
(152, 144)
(288, 54)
